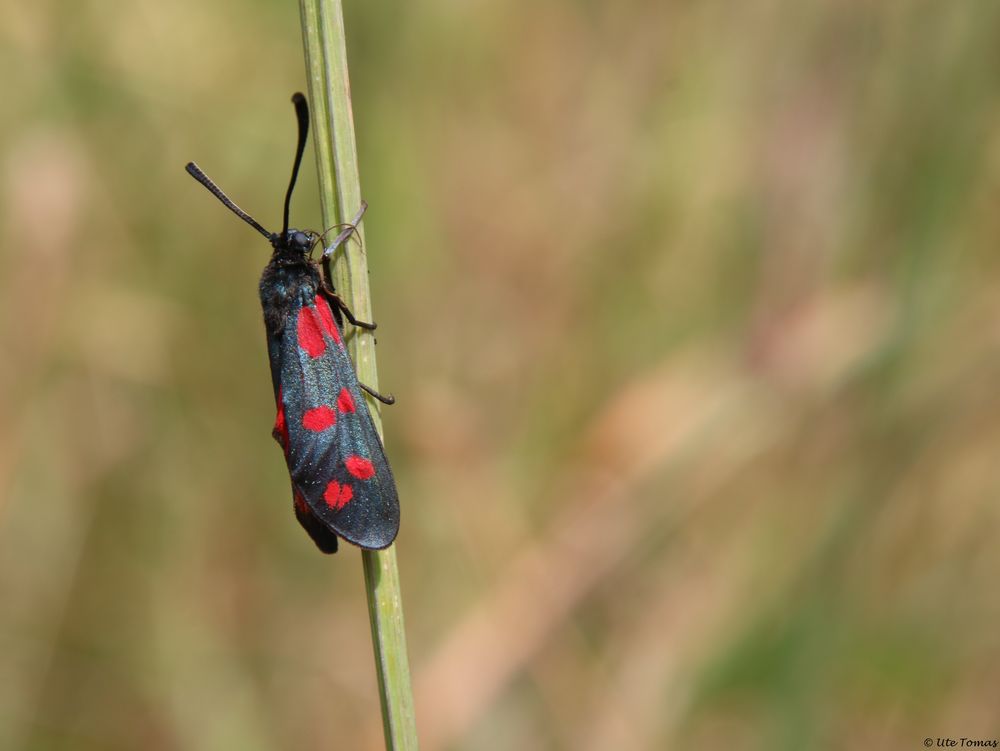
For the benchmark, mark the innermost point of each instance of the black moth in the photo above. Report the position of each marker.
(341, 481)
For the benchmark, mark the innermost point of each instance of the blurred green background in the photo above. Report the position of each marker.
(693, 315)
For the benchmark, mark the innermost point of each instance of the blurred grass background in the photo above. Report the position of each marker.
(693, 314)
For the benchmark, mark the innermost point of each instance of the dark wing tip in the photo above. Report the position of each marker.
(380, 542)
(375, 535)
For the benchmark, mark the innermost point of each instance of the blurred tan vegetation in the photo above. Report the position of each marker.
(693, 315)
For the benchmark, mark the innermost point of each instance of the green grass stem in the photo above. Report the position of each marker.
(340, 194)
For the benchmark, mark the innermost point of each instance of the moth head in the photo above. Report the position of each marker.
(295, 242)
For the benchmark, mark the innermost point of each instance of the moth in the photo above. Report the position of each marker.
(342, 485)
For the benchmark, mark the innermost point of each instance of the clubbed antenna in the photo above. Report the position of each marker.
(195, 171)
(302, 113)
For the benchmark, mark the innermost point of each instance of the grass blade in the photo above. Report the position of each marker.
(340, 192)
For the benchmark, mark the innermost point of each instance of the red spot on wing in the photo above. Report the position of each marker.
(300, 504)
(326, 316)
(337, 496)
(280, 431)
(319, 418)
(360, 467)
(309, 332)
(345, 402)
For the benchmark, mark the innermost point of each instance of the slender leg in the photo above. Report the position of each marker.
(349, 229)
(354, 321)
(334, 299)
(384, 399)
(327, 276)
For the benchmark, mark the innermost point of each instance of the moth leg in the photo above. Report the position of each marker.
(335, 300)
(354, 321)
(349, 229)
(384, 399)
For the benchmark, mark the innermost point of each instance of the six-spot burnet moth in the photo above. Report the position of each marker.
(341, 481)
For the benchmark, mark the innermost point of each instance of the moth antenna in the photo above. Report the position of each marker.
(195, 171)
(302, 114)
